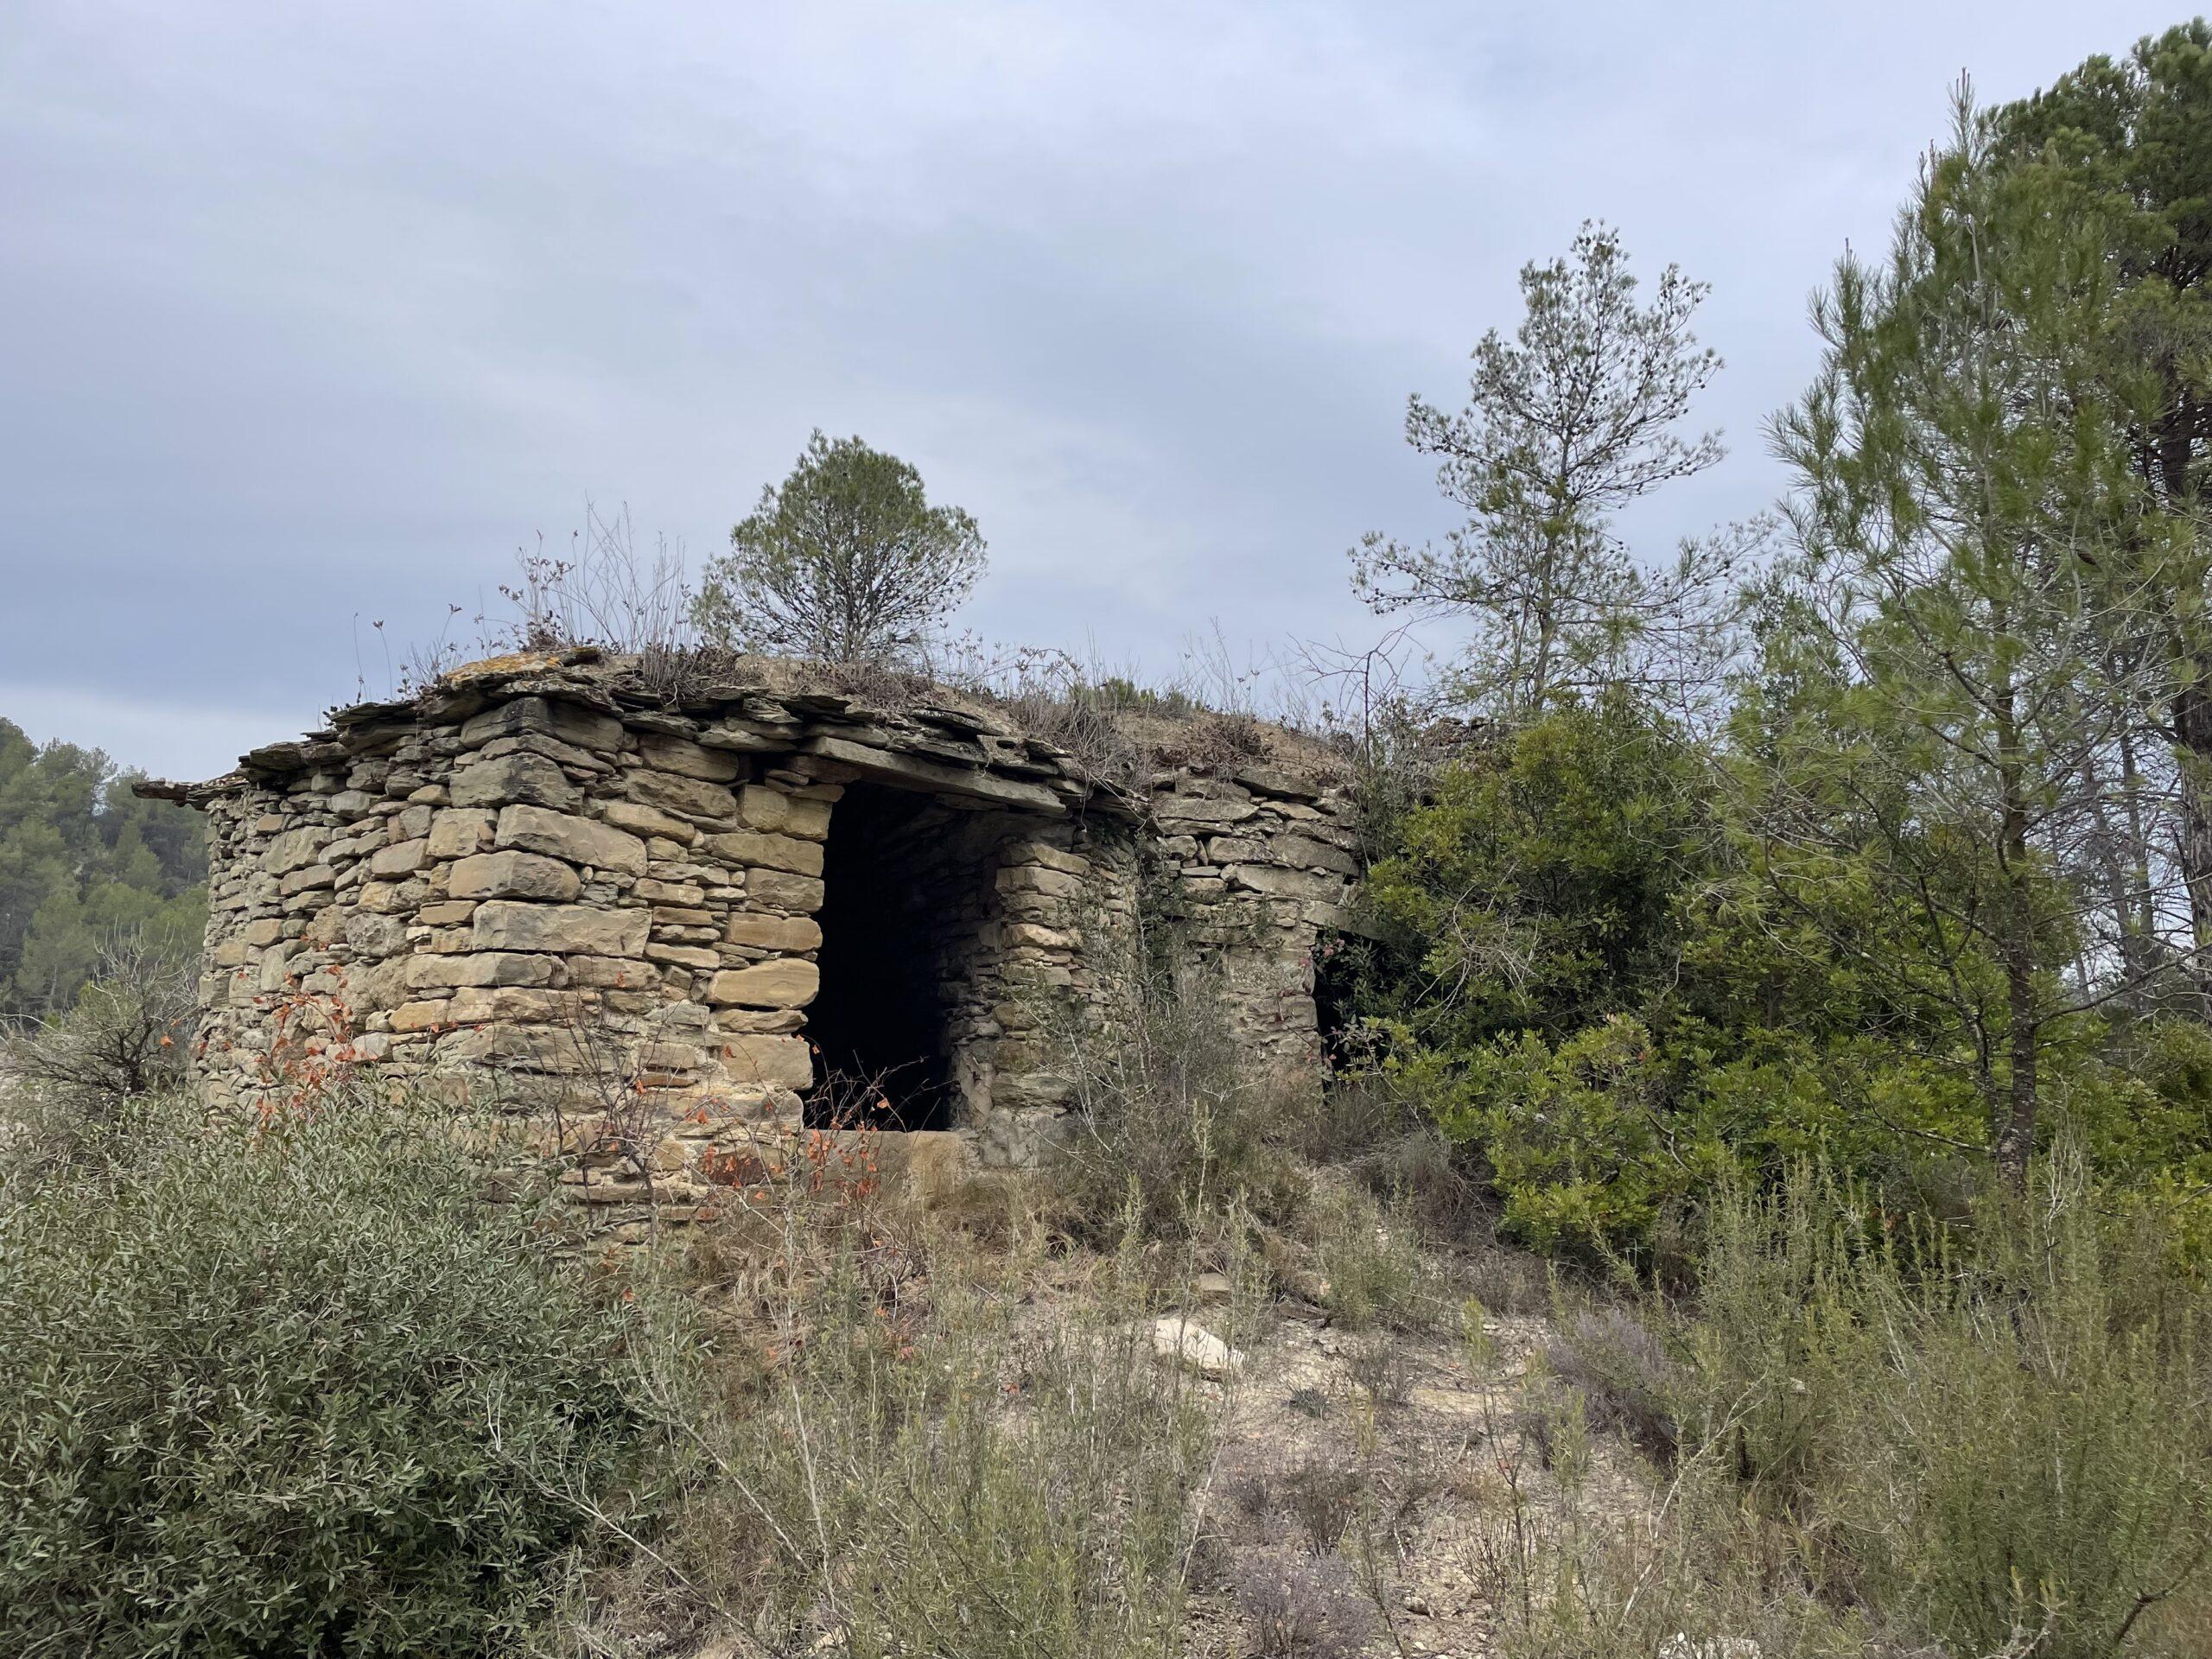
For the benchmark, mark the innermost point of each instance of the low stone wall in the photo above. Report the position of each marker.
(541, 879)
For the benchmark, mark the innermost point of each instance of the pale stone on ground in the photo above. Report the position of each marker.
(1178, 1337)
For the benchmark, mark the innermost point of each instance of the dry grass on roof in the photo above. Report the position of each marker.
(1112, 728)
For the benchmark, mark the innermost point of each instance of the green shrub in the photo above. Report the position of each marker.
(75, 1082)
(1173, 1127)
(903, 1468)
(1995, 1439)
(1581, 1141)
(1894, 1442)
(1378, 1270)
(1538, 887)
(290, 1389)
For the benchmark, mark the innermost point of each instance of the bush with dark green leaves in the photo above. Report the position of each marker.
(1609, 995)
(296, 1388)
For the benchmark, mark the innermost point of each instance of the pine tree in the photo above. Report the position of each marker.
(843, 561)
(2137, 135)
(1964, 486)
(1566, 425)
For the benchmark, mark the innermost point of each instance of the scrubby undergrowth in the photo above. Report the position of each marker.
(298, 1388)
(292, 1387)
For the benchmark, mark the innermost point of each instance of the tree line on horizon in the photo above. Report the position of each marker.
(84, 867)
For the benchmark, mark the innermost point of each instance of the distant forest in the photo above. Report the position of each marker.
(83, 863)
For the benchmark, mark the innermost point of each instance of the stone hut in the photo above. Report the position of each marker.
(741, 905)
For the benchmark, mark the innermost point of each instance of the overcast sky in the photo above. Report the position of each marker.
(310, 314)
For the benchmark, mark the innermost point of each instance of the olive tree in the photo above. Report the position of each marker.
(844, 562)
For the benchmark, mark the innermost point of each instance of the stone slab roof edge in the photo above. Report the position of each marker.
(941, 742)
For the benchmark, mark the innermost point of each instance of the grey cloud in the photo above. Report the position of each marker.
(312, 315)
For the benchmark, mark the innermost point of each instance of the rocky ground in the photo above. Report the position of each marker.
(1403, 1458)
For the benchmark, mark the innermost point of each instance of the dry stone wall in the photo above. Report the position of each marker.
(1264, 859)
(541, 879)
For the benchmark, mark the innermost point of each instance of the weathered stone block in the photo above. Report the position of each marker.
(1052, 858)
(1235, 849)
(1304, 851)
(1200, 809)
(371, 937)
(747, 737)
(790, 984)
(610, 973)
(668, 892)
(580, 841)
(391, 897)
(563, 929)
(759, 851)
(781, 1060)
(480, 967)
(345, 852)
(296, 847)
(1273, 780)
(476, 1005)
(779, 890)
(689, 760)
(585, 728)
(776, 933)
(1275, 883)
(761, 808)
(687, 797)
(513, 875)
(401, 859)
(511, 777)
(809, 819)
(683, 956)
(774, 811)
(759, 1020)
(649, 821)
(458, 831)
(524, 1048)
(1057, 884)
(567, 756)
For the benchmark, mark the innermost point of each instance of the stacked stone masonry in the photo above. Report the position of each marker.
(541, 879)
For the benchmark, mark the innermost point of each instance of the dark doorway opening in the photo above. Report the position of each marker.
(894, 895)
